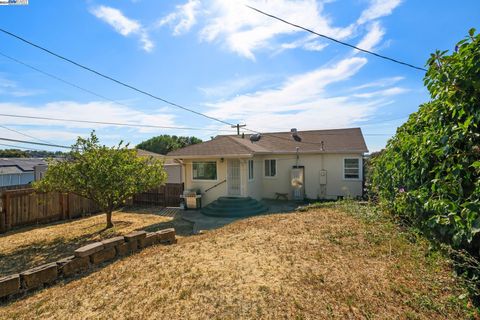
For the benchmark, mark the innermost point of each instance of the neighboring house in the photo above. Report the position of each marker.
(172, 168)
(326, 164)
(18, 171)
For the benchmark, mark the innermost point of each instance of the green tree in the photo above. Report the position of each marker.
(165, 143)
(429, 172)
(108, 176)
(13, 153)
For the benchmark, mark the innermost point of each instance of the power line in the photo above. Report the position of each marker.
(36, 143)
(61, 80)
(112, 79)
(337, 41)
(19, 147)
(24, 134)
(106, 123)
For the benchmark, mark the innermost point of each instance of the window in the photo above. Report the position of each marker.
(204, 170)
(250, 170)
(351, 168)
(270, 168)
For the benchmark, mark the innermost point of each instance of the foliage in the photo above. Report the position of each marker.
(429, 173)
(165, 143)
(108, 176)
(17, 153)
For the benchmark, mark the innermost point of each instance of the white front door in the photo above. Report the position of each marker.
(233, 177)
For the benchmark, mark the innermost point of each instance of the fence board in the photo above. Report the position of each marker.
(167, 195)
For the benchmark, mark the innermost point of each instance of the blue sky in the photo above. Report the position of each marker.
(224, 60)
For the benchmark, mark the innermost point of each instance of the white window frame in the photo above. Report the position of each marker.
(360, 169)
(207, 180)
(276, 168)
(252, 170)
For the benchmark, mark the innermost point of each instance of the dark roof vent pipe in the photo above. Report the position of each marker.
(255, 137)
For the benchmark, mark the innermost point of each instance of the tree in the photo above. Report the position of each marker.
(429, 172)
(108, 176)
(13, 153)
(165, 143)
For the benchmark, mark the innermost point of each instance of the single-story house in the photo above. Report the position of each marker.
(18, 171)
(172, 168)
(316, 164)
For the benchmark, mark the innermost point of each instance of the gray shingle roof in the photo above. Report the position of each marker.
(334, 141)
(24, 164)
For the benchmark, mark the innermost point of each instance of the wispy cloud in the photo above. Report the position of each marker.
(102, 111)
(12, 88)
(372, 38)
(123, 25)
(378, 9)
(234, 86)
(183, 18)
(303, 101)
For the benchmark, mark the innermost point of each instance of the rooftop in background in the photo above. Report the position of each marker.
(313, 141)
(24, 164)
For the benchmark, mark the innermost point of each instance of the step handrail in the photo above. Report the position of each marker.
(216, 185)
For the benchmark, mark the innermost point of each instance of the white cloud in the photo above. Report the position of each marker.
(302, 101)
(183, 19)
(234, 86)
(123, 25)
(378, 9)
(372, 38)
(12, 88)
(102, 111)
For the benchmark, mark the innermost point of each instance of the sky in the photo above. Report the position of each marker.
(222, 59)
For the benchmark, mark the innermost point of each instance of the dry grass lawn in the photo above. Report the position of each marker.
(28, 247)
(321, 264)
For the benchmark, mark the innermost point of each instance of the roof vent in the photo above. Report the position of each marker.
(255, 137)
(295, 135)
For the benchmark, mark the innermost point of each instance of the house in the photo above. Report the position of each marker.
(317, 164)
(172, 168)
(18, 171)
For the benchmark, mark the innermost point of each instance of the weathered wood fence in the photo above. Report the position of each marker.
(26, 207)
(167, 195)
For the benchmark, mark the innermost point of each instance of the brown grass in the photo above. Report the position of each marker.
(319, 264)
(28, 247)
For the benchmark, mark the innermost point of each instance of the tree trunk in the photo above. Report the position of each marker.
(109, 219)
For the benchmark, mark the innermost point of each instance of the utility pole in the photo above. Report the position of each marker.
(238, 126)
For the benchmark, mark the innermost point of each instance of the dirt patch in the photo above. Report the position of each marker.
(310, 265)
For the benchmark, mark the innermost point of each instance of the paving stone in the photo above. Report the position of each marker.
(9, 285)
(88, 249)
(113, 242)
(40, 275)
(135, 236)
(72, 265)
(166, 236)
(104, 255)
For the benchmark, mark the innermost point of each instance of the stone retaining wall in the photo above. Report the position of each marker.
(81, 261)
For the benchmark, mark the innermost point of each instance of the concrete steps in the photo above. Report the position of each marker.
(226, 207)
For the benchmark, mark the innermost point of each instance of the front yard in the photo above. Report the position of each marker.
(328, 262)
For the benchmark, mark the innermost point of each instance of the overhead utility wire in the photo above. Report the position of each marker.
(103, 122)
(24, 134)
(337, 41)
(37, 143)
(113, 79)
(19, 147)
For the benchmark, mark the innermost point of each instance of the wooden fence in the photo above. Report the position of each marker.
(164, 196)
(26, 207)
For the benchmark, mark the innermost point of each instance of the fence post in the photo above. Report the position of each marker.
(3, 215)
(6, 211)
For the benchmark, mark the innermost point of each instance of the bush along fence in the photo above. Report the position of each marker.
(81, 261)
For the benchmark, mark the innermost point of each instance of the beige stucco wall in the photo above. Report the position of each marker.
(266, 187)
(203, 185)
(332, 163)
